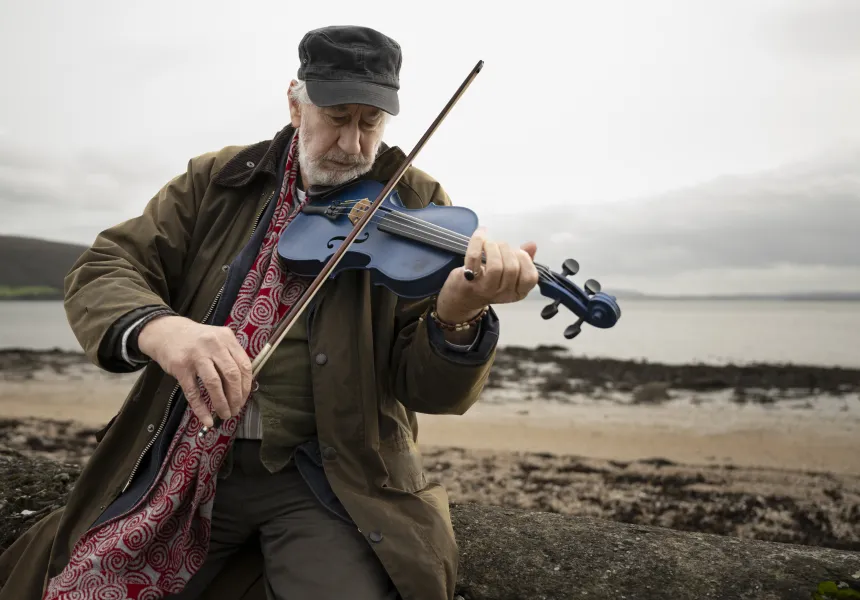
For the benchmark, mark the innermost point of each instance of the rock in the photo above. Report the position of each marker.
(654, 392)
(627, 374)
(508, 554)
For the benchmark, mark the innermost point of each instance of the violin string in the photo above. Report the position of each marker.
(453, 241)
(405, 217)
(450, 240)
(459, 237)
(426, 228)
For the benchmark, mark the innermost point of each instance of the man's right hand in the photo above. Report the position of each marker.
(187, 350)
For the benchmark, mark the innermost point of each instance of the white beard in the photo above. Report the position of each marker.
(313, 173)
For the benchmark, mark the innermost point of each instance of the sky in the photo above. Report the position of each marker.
(590, 122)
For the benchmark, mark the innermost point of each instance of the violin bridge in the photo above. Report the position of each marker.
(358, 209)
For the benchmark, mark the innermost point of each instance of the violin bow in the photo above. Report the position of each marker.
(287, 322)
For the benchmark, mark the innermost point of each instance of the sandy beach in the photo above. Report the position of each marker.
(531, 405)
(762, 451)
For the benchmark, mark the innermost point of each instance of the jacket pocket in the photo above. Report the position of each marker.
(403, 463)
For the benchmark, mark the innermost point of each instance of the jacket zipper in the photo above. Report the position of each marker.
(177, 387)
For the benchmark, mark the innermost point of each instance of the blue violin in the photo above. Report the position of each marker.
(409, 251)
(412, 251)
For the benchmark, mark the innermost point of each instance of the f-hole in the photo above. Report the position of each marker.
(340, 238)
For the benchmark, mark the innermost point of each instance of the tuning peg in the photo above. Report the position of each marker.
(570, 267)
(550, 310)
(592, 286)
(573, 330)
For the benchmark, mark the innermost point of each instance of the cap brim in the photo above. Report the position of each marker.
(331, 93)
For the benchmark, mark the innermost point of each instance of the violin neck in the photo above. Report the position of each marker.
(424, 232)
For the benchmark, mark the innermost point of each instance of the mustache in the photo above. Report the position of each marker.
(339, 156)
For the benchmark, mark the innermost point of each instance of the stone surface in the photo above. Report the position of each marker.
(509, 554)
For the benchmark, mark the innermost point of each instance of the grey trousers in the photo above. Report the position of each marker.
(308, 551)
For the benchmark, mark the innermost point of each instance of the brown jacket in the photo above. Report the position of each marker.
(381, 369)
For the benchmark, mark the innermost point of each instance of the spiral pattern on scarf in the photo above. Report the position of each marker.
(243, 305)
(258, 340)
(262, 312)
(111, 591)
(91, 579)
(150, 593)
(249, 286)
(158, 556)
(116, 559)
(271, 280)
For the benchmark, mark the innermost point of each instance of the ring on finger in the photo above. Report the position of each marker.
(471, 275)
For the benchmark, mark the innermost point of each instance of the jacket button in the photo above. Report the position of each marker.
(329, 453)
(375, 537)
(150, 428)
(321, 359)
(225, 268)
(250, 164)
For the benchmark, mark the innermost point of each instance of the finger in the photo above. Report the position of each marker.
(245, 368)
(528, 276)
(530, 248)
(231, 379)
(510, 271)
(212, 381)
(188, 383)
(474, 251)
(492, 269)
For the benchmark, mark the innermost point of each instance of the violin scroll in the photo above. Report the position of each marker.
(590, 304)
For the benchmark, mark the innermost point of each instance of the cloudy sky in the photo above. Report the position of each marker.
(602, 121)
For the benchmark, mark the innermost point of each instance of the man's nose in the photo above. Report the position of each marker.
(350, 140)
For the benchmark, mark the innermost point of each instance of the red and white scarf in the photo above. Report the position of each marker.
(154, 549)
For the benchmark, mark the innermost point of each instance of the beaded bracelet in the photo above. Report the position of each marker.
(459, 326)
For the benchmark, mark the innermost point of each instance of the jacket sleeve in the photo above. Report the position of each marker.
(430, 375)
(134, 268)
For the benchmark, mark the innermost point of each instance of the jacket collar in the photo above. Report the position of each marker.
(263, 158)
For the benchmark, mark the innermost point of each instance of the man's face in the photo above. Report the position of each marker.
(338, 143)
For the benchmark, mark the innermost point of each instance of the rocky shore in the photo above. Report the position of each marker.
(512, 554)
(551, 372)
(815, 509)
(54, 402)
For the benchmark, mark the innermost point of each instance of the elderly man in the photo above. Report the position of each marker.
(320, 492)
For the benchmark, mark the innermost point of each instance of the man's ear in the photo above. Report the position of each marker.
(295, 107)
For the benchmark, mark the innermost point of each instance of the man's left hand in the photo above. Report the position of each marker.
(508, 275)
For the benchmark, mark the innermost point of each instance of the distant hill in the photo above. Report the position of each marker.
(31, 268)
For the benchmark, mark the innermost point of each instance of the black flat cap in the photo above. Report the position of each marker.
(351, 65)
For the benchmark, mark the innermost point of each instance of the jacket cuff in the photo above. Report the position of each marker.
(463, 347)
(476, 353)
(118, 351)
